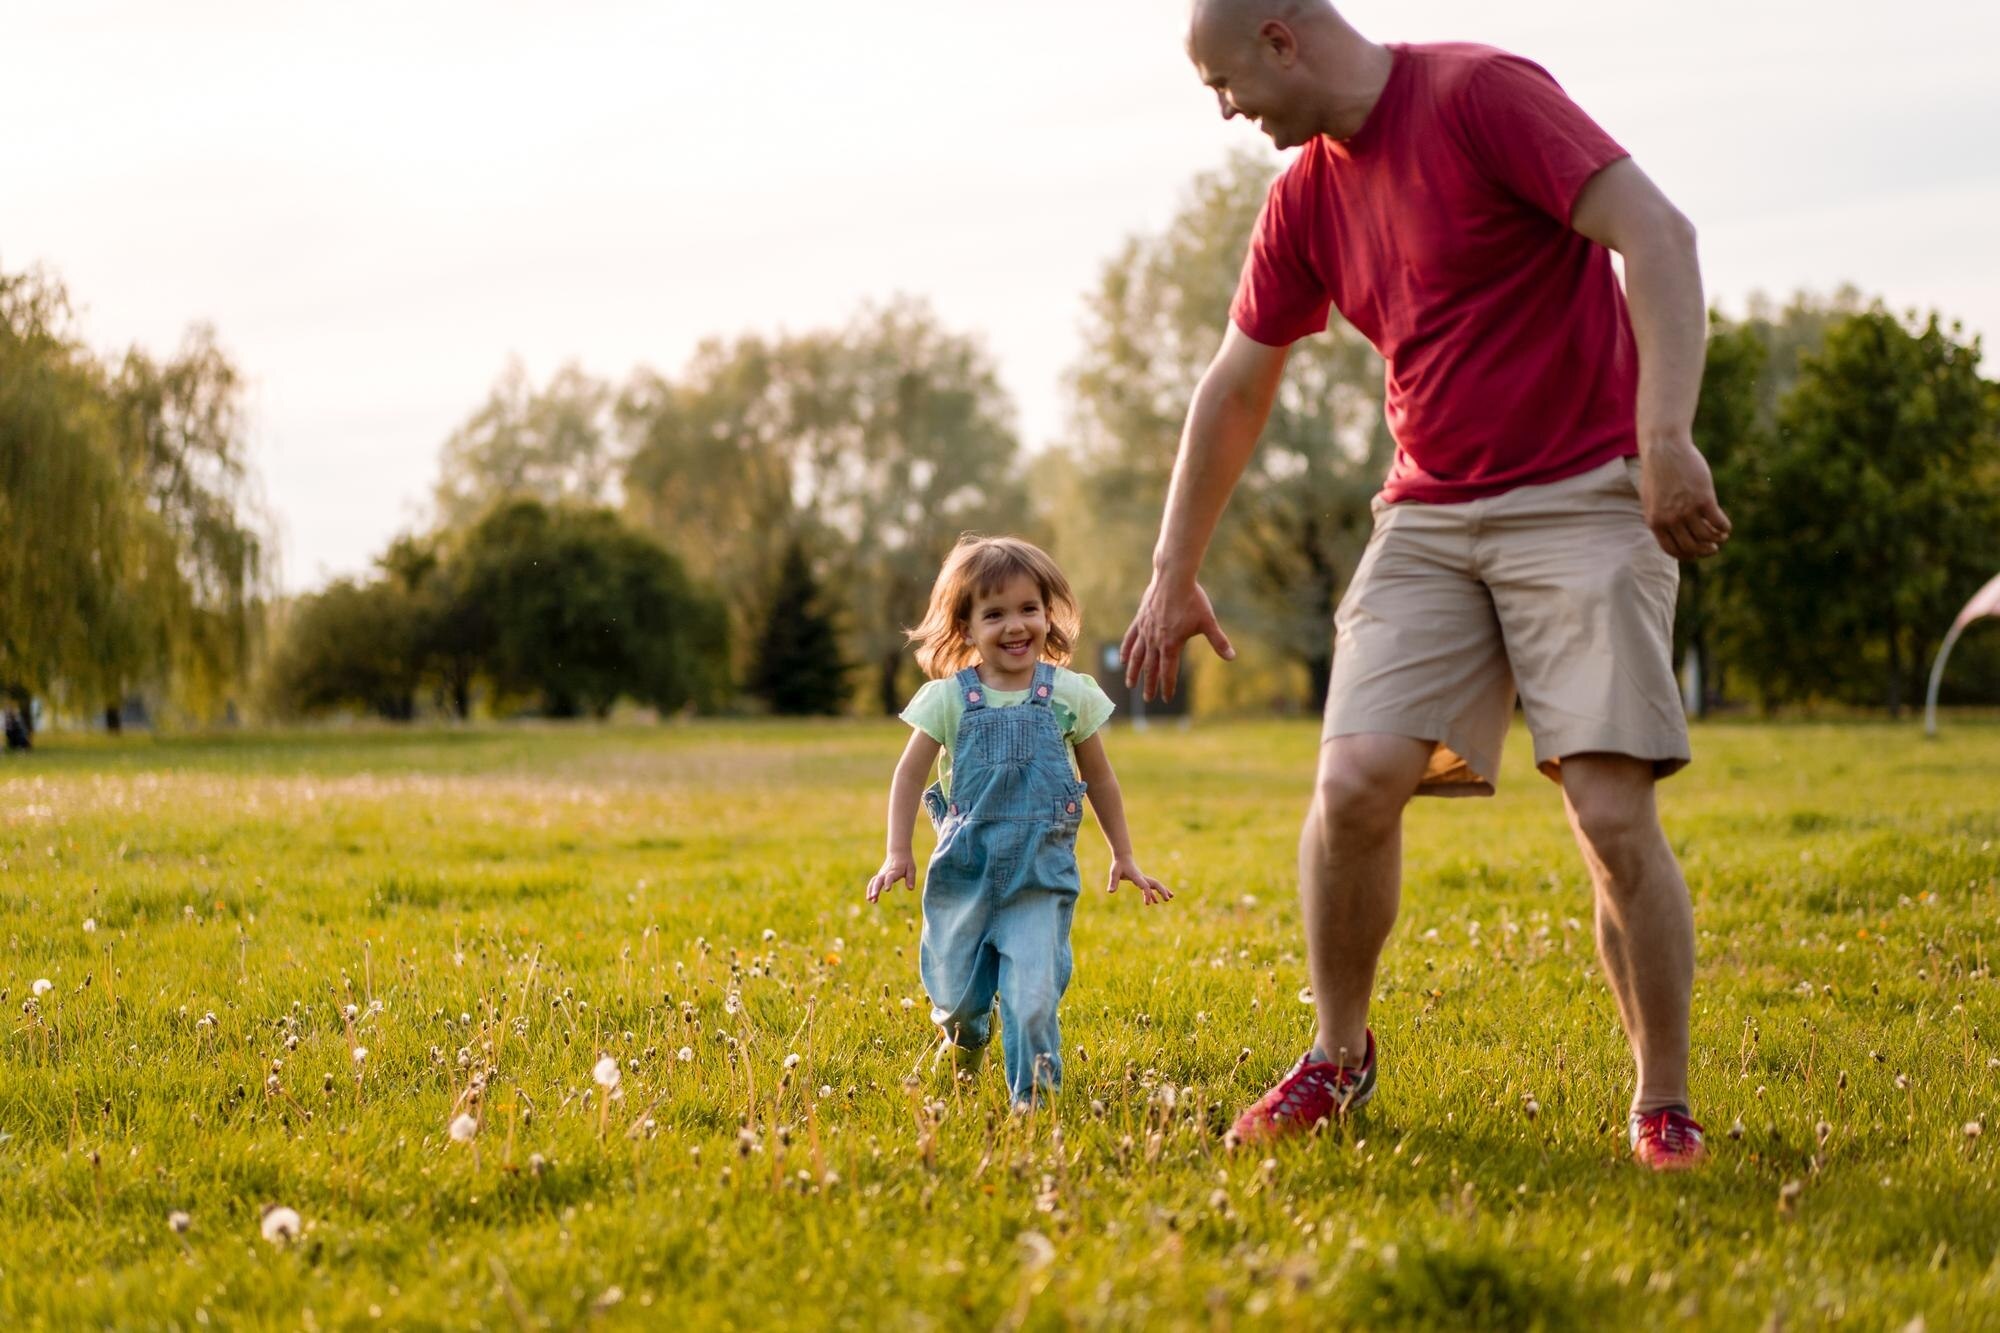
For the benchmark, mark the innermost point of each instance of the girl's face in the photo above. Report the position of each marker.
(1008, 626)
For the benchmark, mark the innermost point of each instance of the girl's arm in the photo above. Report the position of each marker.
(904, 792)
(1095, 767)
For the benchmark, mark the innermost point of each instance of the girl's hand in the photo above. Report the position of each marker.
(1126, 869)
(897, 865)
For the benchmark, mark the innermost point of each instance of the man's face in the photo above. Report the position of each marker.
(1251, 77)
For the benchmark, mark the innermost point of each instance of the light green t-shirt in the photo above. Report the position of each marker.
(1079, 705)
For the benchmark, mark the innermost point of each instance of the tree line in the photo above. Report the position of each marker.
(758, 528)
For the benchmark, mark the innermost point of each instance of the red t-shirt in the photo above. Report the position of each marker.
(1441, 232)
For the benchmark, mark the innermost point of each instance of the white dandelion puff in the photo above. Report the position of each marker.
(43, 986)
(90, 925)
(463, 1128)
(769, 934)
(179, 1221)
(605, 1072)
(792, 1061)
(360, 1055)
(281, 1225)
(684, 1054)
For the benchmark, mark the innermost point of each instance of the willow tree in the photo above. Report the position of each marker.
(129, 550)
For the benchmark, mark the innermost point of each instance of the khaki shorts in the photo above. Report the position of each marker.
(1559, 591)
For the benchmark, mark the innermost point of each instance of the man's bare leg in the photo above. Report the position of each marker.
(1645, 923)
(1350, 875)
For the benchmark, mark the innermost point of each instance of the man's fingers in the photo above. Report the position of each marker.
(1712, 512)
(1220, 642)
(1131, 652)
(1170, 670)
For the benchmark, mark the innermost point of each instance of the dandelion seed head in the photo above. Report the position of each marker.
(605, 1072)
(281, 1225)
(90, 925)
(463, 1128)
(684, 1054)
(360, 1054)
(179, 1221)
(43, 986)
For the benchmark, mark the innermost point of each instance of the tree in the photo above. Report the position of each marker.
(1878, 502)
(64, 512)
(585, 611)
(1301, 517)
(913, 447)
(351, 644)
(708, 468)
(1729, 430)
(549, 445)
(129, 551)
(798, 669)
(877, 444)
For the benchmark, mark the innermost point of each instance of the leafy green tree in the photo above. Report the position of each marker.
(585, 611)
(349, 645)
(708, 468)
(1292, 536)
(1731, 434)
(914, 447)
(64, 511)
(1878, 508)
(129, 551)
(550, 445)
(877, 443)
(798, 668)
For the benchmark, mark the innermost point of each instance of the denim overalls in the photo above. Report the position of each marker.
(1003, 881)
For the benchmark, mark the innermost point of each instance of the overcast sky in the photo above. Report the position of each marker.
(378, 205)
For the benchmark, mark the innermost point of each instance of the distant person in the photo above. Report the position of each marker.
(16, 727)
(1003, 881)
(1460, 211)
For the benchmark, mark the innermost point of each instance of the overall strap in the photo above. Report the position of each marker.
(971, 692)
(1044, 687)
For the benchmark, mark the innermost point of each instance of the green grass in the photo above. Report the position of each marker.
(521, 900)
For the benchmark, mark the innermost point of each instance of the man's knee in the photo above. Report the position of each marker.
(1364, 783)
(1615, 817)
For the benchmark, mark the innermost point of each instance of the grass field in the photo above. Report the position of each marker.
(501, 907)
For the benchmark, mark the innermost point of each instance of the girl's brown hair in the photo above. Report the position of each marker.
(979, 565)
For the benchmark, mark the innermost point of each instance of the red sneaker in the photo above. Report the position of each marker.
(1314, 1091)
(1668, 1140)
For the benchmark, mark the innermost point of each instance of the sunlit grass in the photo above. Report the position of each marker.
(636, 1049)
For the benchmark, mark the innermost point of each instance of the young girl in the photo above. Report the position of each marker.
(1003, 880)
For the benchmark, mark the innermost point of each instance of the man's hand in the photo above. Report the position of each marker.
(1169, 615)
(1678, 496)
(895, 866)
(1126, 869)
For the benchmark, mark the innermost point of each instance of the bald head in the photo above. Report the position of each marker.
(1231, 22)
(1294, 67)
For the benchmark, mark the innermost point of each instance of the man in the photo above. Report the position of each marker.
(1459, 210)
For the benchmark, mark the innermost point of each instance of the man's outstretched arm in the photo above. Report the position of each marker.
(1621, 209)
(1227, 415)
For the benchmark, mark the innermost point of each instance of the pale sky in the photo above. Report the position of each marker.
(377, 205)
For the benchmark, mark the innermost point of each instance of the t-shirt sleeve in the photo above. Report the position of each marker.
(930, 710)
(1279, 299)
(1088, 705)
(1527, 135)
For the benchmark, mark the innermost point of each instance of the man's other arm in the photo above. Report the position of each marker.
(1230, 406)
(1621, 209)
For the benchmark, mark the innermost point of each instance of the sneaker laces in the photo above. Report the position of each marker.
(1673, 1130)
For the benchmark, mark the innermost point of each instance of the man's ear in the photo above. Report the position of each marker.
(1280, 41)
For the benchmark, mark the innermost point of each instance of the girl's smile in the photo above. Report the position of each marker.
(1008, 627)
